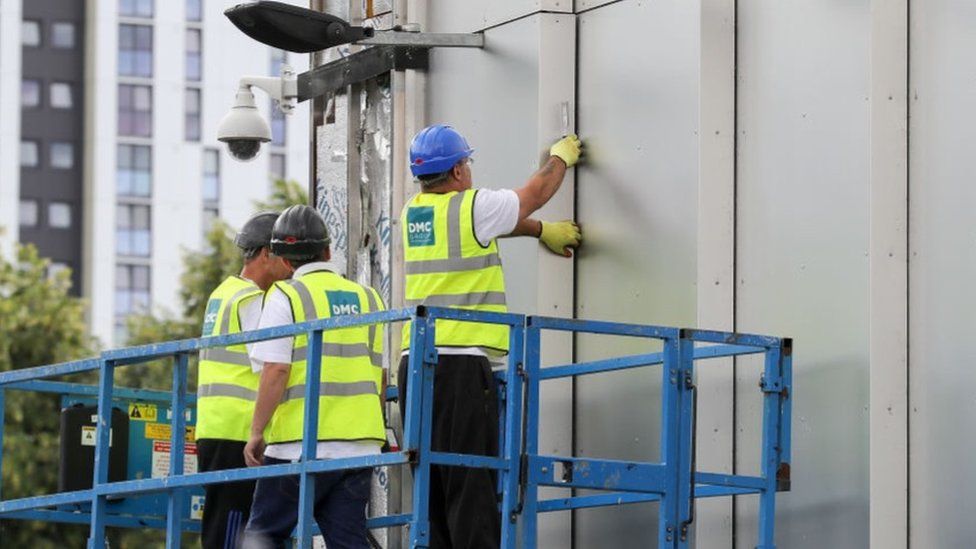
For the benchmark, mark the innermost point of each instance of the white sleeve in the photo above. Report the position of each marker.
(276, 312)
(495, 214)
(249, 315)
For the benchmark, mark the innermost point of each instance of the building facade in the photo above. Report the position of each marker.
(119, 170)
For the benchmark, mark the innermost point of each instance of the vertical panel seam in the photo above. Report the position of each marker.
(908, 274)
(735, 247)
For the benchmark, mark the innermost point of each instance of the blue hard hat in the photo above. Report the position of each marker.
(436, 149)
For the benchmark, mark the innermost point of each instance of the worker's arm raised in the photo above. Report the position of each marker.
(274, 378)
(544, 183)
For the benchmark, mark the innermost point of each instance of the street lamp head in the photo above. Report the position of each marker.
(292, 28)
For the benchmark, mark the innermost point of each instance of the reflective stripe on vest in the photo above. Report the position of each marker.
(351, 369)
(227, 387)
(447, 267)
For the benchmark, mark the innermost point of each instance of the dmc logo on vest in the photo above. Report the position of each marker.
(210, 317)
(343, 303)
(420, 226)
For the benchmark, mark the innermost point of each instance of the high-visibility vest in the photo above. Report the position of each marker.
(227, 387)
(446, 266)
(350, 404)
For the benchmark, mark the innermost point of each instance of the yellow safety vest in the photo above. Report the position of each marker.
(350, 404)
(226, 387)
(446, 266)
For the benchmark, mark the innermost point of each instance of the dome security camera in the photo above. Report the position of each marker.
(243, 128)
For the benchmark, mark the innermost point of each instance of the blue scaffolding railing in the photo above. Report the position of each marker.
(673, 481)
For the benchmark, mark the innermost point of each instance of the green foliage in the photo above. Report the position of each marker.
(39, 324)
(204, 271)
(283, 194)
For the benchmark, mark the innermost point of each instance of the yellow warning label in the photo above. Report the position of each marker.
(87, 436)
(142, 412)
(161, 431)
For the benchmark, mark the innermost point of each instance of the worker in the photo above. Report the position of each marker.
(227, 385)
(451, 260)
(350, 421)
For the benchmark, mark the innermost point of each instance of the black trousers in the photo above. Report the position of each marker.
(463, 502)
(228, 506)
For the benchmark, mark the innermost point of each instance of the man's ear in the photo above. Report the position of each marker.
(457, 172)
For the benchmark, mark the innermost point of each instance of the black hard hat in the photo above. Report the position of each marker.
(299, 234)
(256, 233)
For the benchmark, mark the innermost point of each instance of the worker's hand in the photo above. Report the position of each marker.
(560, 236)
(568, 149)
(254, 451)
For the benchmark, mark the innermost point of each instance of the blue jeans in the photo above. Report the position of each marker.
(340, 509)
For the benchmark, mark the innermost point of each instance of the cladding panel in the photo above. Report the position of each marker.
(505, 101)
(801, 263)
(942, 262)
(477, 15)
(637, 202)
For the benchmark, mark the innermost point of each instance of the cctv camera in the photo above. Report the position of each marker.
(243, 149)
(242, 128)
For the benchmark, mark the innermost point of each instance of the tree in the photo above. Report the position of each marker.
(40, 323)
(205, 270)
(283, 194)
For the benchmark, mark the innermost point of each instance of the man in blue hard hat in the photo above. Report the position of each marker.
(451, 260)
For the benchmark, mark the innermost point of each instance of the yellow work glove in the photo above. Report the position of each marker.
(568, 149)
(560, 236)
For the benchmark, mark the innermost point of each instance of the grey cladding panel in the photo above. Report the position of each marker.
(475, 15)
(943, 264)
(801, 264)
(636, 202)
(492, 98)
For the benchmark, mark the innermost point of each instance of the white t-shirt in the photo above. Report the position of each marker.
(277, 312)
(495, 214)
(249, 315)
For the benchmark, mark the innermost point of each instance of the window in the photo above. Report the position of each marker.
(277, 126)
(134, 170)
(209, 216)
(60, 95)
(211, 175)
(191, 121)
(131, 294)
(59, 215)
(132, 230)
(30, 93)
(194, 10)
(29, 155)
(62, 156)
(193, 55)
(135, 110)
(136, 8)
(63, 35)
(135, 50)
(277, 170)
(28, 213)
(30, 33)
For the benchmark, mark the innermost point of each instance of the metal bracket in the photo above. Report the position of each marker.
(771, 386)
(360, 66)
(425, 39)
